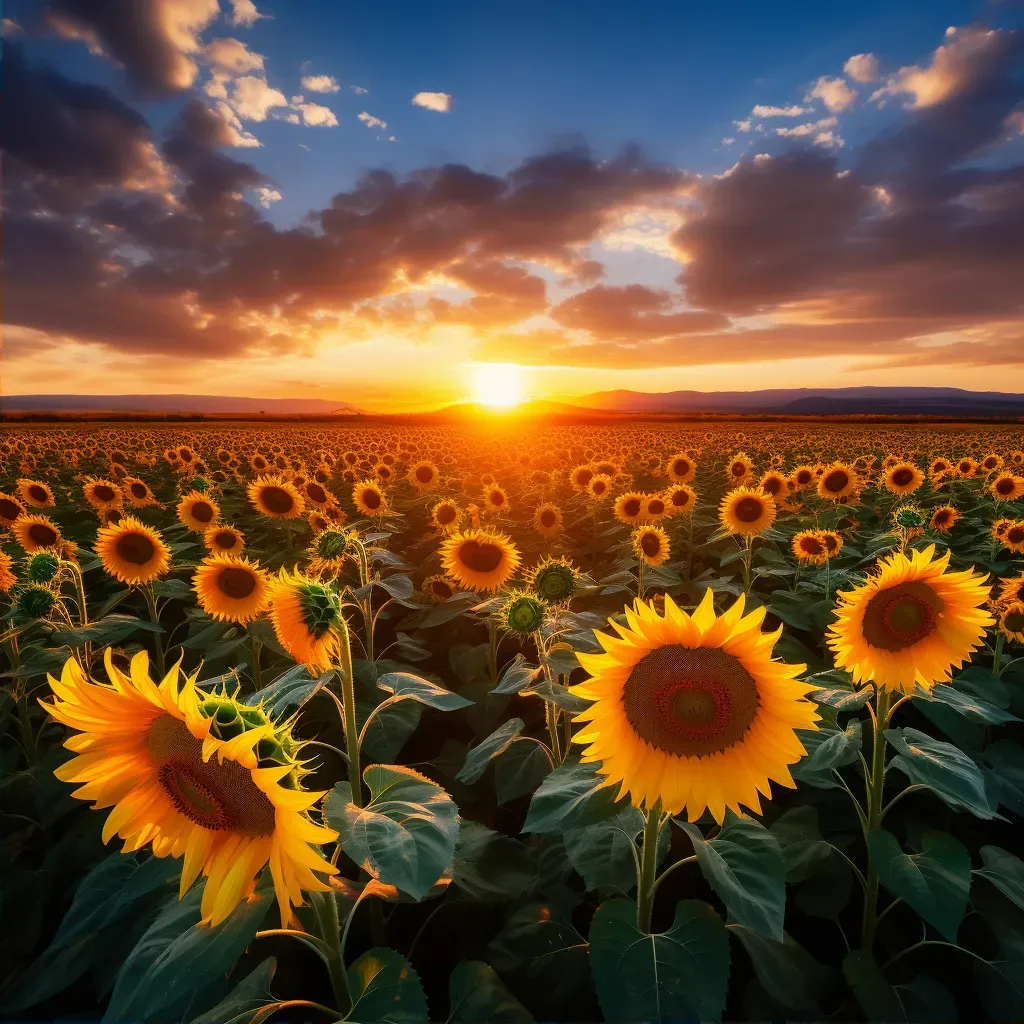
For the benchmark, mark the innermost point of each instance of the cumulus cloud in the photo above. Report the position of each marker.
(743, 126)
(9, 27)
(801, 130)
(359, 90)
(862, 67)
(791, 111)
(230, 57)
(267, 196)
(244, 13)
(320, 83)
(317, 115)
(833, 92)
(372, 122)
(251, 98)
(439, 101)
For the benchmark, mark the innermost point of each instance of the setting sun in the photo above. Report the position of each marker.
(498, 384)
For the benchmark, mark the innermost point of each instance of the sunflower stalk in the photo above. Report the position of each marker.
(325, 908)
(997, 654)
(348, 695)
(875, 812)
(647, 877)
(154, 617)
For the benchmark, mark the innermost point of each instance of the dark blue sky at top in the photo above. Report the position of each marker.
(526, 76)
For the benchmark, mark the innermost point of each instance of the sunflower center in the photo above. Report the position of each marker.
(803, 477)
(136, 548)
(584, 476)
(224, 539)
(43, 535)
(1014, 621)
(38, 493)
(203, 511)
(445, 514)
(317, 493)
(277, 499)
(650, 543)
(680, 467)
(941, 516)
(690, 702)
(599, 487)
(836, 480)
(901, 616)
(481, 556)
(371, 498)
(1015, 534)
(738, 469)
(1004, 486)
(220, 796)
(235, 582)
(138, 490)
(680, 499)
(631, 507)
(103, 492)
(902, 477)
(812, 545)
(547, 518)
(655, 507)
(772, 485)
(424, 474)
(748, 510)
(9, 509)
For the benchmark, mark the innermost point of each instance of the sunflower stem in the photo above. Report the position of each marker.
(154, 617)
(326, 910)
(257, 674)
(348, 696)
(551, 714)
(748, 541)
(640, 577)
(875, 813)
(648, 869)
(997, 654)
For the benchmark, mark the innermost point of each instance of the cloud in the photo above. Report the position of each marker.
(800, 130)
(862, 67)
(743, 126)
(439, 101)
(155, 41)
(631, 313)
(244, 13)
(791, 111)
(359, 90)
(237, 136)
(372, 122)
(9, 27)
(320, 83)
(727, 141)
(231, 57)
(252, 97)
(317, 115)
(267, 196)
(834, 93)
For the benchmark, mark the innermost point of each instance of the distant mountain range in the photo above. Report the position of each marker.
(174, 404)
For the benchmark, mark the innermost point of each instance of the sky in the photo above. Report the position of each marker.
(400, 205)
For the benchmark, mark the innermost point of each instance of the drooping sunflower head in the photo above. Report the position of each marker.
(36, 533)
(522, 613)
(629, 507)
(747, 511)
(943, 518)
(276, 498)
(10, 509)
(547, 520)
(554, 580)
(437, 588)
(307, 619)
(651, 545)
(691, 710)
(910, 622)
(231, 589)
(837, 481)
(369, 498)
(1007, 487)
(903, 478)
(223, 539)
(809, 547)
(482, 560)
(132, 552)
(36, 493)
(198, 511)
(424, 475)
(196, 775)
(103, 495)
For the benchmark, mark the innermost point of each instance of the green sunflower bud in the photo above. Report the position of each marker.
(331, 543)
(321, 608)
(555, 582)
(524, 614)
(43, 566)
(35, 602)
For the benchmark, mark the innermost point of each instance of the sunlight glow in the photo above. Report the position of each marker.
(498, 384)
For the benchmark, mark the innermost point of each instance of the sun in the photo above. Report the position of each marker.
(499, 385)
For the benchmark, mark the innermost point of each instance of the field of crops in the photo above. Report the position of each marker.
(693, 721)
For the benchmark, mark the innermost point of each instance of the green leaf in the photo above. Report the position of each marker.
(385, 989)
(405, 835)
(110, 630)
(842, 700)
(289, 690)
(405, 684)
(389, 730)
(827, 748)
(972, 708)
(177, 590)
(559, 695)
(477, 995)
(936, 882)
(927, 1001)
(943, 768)
(179, 963)
(799, 839)
(786, 971)
(517, 676)
(679, 974)
(878, 999)
(572, 796)
(1004, 871)
(239, 1006)
(1006, 774)
(744, 865)
(480, 756)
(489, 866)
(520, 770)
(602, 853)
(47, 976)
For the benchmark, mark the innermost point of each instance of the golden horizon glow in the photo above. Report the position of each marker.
(499, 385)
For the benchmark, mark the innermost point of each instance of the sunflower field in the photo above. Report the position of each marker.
(631, 722)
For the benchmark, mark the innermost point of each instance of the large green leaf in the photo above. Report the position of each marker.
(974, 708)
(679, 974)
(289, 690)
(936, 882)
(385, 989)
(827, 748)
(489, 866)
(480, 756)
(1006, 774)
(799, 838)
(405, 684)
(520, 770)
(745, 867)
(109, 630)
(245, 999)
(878, 999)
(476, 995)
(572, 796)
(1005, 871)
(943, 768)
(389, 730)
(786, 971)
(405, 835)
(602, 853)
(517, 676)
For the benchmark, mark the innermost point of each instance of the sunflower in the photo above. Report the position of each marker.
(1007, 487)
(7, 578)
(276, 498)
(943, 518)
(629, 507)
(132, 552)
(600, 486)
(480, 559)
(809, 548)
(424, 475)
(437, 588)
(222, 539)
(522, 613)
(966, 468)
(36, 493)
(10, 509)
(681, 468)
(317, 494)
(803, 477)
(739, 469)
(910, 622)
(231, 589)
(691, 710)
(329, 550)
(445, 516)
(938, 468)
(1011, 589)
(1011, 621)
(655, 508)
(581, 476)
(547, 520)
(496, 499)
(650, 543)
(833, 542)
(198, 512)
(773, 483)
(258, 464)
(903, 478)
(35, 533)
(679, 500)
(137, 492)
(103, 495)
(554, 580)
(747, 511)
(197, 775)
(991, 463)
(1012, 539)
(369, 498)
(307, 620)
(837, 481)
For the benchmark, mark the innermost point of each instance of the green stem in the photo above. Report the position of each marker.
(648, 868)
(551, 714)
(326, 910)
(997, 654)
(875, 812)
(640, 577)
(257, 673)
(348, 696)
(748, 541)
(154, 617)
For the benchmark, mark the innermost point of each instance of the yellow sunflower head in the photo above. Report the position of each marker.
(600, 486)
(195, 775)
(445, 516)
(276, 498)
(547, 520)
(655, 508)
(651, 545)
(132, 552)
(774, 483)
(317, 494)
(679, 500)
(1012, 589)
(36, 533)
(809, 547)
(424, 475)
(581, 476)
(803, 477)
(738, 469)
(691, 710)
(138, 492)
(369, 499)
(7, 578)
(482, 560)
(943, 518)
(910, 623)
(1012, 537)
(307, 620)
(837, 481)
(36, 493)
(747, 511)
(231, 589)
(1011, 621)
(681, 468)
(903, 478)
(103, 495)
(1007, 487)
(198, 511)
(10, 509)
(222, 539)
(495, 500)
(629, 507)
